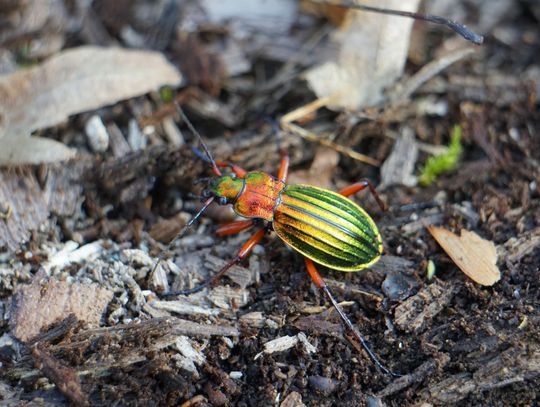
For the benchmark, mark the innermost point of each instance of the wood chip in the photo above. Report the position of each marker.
(398, 168)
(229, 298)
(286, 342)
(183, 307)
(475, 256)
(39, 305)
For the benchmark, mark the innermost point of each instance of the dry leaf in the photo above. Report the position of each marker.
(372, 49)
(321, 170)
(475, 256)
(33, 150)
(272, 17)
(77, 80)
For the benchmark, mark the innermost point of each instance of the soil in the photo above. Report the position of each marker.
(454, 341)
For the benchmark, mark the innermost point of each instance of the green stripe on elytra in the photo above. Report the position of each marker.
(320, 255)
(337, 204)
(326, 239)
(367, 246)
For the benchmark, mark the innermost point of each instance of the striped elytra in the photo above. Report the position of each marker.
(327, 227)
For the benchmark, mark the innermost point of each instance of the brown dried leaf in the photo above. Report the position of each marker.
(372, 50)
(321, 171)
(77, 80)
(475, 256)
(39, 305)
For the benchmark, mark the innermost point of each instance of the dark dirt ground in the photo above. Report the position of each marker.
(455, 342)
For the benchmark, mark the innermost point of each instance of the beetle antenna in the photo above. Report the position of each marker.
(203, 144)
(458, 28)
(183, 231)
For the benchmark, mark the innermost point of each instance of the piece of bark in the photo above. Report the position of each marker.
(515, 365)
(28, 197)
(39, 305)
(413, 314)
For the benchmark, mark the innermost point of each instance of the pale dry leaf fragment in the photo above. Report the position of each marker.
(371, 53)
(271, 17)
(77, 80)
(32, 150)
(475, 256)
(39, 305)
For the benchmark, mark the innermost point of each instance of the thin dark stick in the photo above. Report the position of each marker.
(459, 28)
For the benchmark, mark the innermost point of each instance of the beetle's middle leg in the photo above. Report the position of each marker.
(238, 171)
(361, 185)
(242, 254)
(321, 285)
(235, 227)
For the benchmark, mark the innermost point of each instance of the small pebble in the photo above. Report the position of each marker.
(97, 134)
(322, 384)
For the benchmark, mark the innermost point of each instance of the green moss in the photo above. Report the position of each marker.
(166, 94)
(444, 162)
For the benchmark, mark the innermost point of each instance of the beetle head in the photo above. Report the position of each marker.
(225, 189)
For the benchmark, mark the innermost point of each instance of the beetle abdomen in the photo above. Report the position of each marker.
(327, 227)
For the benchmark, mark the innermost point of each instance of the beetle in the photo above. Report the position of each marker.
(326, 227)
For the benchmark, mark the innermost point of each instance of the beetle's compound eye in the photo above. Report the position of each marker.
(222, 200)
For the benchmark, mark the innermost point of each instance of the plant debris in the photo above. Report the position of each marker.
(475, 256)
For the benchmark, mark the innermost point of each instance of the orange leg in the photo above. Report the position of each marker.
(283, 166)
(319, 282)
(361, 185)
(242, 254)
(234, 227)
(239, 171)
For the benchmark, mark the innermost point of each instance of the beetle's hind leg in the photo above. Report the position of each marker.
(321, 285)
(242, 254)
(360, 186)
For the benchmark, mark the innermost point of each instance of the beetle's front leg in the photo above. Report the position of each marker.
(361, 185)
(242, 254)
(283, 171)
(238, 171)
